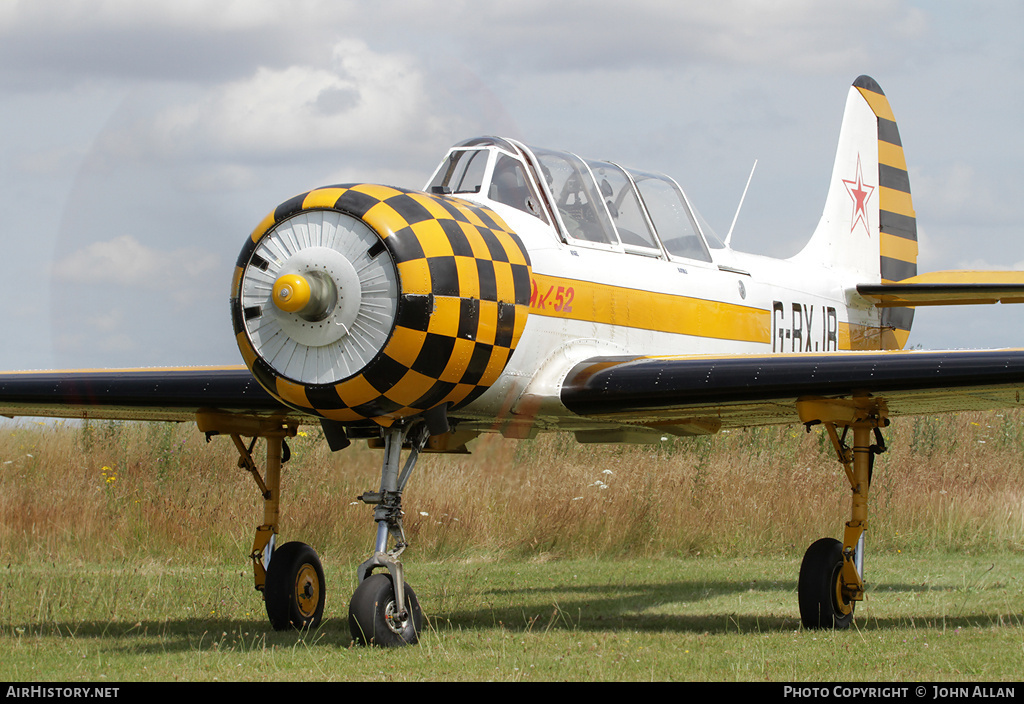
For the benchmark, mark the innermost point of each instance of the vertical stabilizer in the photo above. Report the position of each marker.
(868, 229)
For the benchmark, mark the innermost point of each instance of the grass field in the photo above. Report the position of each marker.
(122, 557)
(695, 618)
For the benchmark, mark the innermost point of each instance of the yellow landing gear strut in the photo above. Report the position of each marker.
(832, 572)
(290, 576)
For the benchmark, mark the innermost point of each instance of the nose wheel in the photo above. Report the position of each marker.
(384, 610)
(375, 618)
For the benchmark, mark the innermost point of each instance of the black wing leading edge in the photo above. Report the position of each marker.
(742, 390)
(733, 390)
(174, 394)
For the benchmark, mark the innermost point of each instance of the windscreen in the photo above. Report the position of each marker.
(671, 216)
(462, 172)
(576, 197)
(623, 205)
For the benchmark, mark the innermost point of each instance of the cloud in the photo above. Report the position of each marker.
(360, 112)
(361, 97)
(182, 275)
(48, 43)
(145, 136)
(800, 35)
(91, 15)
(49, 160)
(202, 42)
(957, 193)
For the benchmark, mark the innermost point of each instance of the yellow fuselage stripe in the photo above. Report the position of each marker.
(574, 299)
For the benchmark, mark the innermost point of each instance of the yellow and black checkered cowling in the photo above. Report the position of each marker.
(463, 297)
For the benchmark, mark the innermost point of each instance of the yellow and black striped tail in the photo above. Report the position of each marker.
(897, 220)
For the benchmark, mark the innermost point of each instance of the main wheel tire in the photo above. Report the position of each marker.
(372, 618)
(822, 604)
(295, 590)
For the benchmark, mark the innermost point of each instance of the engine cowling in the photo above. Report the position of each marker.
(365, 302)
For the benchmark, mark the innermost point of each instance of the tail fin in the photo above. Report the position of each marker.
(868, 230)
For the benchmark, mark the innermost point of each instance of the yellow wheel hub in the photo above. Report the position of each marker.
(307, 590)
(843, 603)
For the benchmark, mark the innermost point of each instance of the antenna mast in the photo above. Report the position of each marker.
(728, 237)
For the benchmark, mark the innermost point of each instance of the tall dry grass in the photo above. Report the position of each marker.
(122, 491)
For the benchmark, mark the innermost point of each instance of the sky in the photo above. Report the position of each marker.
(142, 142)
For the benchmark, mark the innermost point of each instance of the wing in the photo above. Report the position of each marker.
(161, 394)
(696, 394)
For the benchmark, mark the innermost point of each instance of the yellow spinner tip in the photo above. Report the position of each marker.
(291, 293)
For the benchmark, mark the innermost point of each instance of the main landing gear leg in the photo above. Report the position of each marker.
(832, 572)
(384, 610)
(290, 577)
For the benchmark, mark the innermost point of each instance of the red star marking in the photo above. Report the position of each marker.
(860, 192)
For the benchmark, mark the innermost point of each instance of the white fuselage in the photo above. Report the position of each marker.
(595, 301)
(623, 266)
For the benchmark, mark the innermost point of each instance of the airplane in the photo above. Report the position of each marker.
(527, 290)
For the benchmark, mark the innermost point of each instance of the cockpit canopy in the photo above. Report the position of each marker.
(595, 203)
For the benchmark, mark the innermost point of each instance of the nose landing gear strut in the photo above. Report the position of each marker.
(384, 609)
